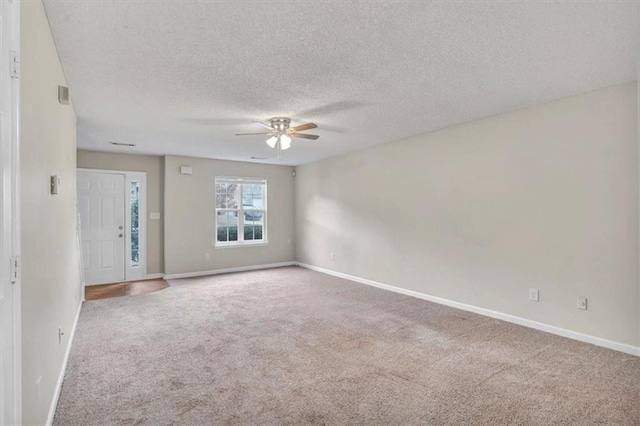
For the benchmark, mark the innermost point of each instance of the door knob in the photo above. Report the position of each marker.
(121, 227)
(120, 235)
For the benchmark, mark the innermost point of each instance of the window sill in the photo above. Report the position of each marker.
(243, 244)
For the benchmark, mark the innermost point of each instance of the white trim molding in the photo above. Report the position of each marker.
(228, 270)
(63, 370)
(151, 277)
(598, 341)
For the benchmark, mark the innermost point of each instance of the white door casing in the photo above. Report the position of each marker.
(104, 207)
(10, 283)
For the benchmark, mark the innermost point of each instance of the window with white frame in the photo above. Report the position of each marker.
(241, 211)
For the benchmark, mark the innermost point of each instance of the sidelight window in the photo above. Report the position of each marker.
(134, 232)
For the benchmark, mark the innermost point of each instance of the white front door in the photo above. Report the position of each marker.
(101, 202)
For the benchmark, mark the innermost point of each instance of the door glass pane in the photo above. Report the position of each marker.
(135, 224)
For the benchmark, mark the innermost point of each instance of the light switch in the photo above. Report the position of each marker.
(186, 170)
(154, 216)
(55, 184)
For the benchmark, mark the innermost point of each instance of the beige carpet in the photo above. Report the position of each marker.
(292, 346)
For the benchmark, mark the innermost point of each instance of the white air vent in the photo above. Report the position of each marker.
(63, 95)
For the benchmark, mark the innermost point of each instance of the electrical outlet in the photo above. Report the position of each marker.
(534, 295)
(289, 242)
(207, 256)
(582, 303)
(333, 256)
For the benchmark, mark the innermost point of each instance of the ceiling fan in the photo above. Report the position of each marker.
(281, 133)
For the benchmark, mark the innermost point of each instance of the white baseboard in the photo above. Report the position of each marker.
(151, 277)
(598, 341)
(227, 270)
(56, 394)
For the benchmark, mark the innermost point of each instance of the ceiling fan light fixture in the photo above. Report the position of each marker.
(272, 141)
(280, 133)
(285, 141)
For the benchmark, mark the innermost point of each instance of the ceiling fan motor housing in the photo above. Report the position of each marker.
(280, 123)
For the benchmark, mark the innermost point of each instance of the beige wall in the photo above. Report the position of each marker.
(154, 167)
(190, 216)
(50, 272)
(544, 197)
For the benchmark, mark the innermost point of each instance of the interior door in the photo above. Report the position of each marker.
(101, 202)
(10, 348)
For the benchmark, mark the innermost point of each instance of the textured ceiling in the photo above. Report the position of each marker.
(182, 77)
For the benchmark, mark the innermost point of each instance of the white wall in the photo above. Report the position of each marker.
(545, 197)
(50, 273)
(154, 167)
(190, 216)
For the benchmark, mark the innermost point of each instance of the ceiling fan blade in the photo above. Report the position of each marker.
(303, 136)
(259, 133)
(304, 127)
(263, 124)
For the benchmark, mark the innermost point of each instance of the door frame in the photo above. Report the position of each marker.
(140, 272)
(10, 332)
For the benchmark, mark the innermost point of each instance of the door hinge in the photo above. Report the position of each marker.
(15, 64)
(15, 266)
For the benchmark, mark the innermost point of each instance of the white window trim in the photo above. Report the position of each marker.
(241, 242)
(234, 244)
(139, 272)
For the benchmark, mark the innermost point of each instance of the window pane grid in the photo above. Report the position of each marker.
(227, 195)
